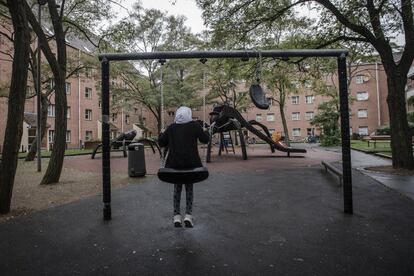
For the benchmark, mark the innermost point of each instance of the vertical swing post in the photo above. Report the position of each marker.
(162, 61)
(346, 143)
(106, 144)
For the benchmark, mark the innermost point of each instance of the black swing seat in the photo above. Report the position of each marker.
(175, 176)
(258, 97)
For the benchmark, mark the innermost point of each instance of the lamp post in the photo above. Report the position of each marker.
(39, 92)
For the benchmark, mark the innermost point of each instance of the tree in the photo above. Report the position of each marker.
(373, 22)
(73, 16)
(152, 30)
(17, 96)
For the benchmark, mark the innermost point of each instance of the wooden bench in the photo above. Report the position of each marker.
(379, 139)
(334, 170)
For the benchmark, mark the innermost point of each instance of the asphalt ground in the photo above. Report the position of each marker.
(271, 221)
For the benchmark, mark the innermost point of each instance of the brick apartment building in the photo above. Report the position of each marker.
(368, 108)
(84, 105)
(368, 89)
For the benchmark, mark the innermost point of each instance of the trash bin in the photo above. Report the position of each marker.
(136, 160)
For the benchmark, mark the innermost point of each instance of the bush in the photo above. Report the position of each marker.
(331, 140)
(383, 130)
(356, 136)
(410, 117)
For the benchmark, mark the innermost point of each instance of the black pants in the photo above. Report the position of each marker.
(188, 195)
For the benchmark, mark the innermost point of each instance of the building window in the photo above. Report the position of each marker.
(363, 131)
(68, 112)
(259, 117)
(295, 99)
(114, 117)
(309, 115)
(270, 117)
(68, 134)
(270, 100)
(51, 136)
(359, 79)
(100, 104)
(195, 118)
(51, 110)
(296, 132)
(88, 135)
(295, 84)
(271, 130)
(126, 118)
(309, 99)
(52, 83)
(295, 116)
(362, 96)
(88, 114)
(362, 113)
(88, 93)
(68, 88)
(171, 113)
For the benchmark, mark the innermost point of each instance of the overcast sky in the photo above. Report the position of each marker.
(188, 8)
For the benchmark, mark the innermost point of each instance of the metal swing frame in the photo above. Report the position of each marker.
(340, 54)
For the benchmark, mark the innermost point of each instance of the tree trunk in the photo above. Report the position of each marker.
(33, 148)
(282, 98)
(17, 98)
(401, 147)
(54, 168)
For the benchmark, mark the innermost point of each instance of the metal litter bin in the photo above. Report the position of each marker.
(136, 160)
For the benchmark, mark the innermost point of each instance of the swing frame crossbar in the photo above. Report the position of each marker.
(340, 54)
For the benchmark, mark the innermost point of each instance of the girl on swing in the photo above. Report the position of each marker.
(181, 140)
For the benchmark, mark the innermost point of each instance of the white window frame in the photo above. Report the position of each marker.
(295, 116)
(359, 79)
(294, 101)
(362, 99)
(51, 135)
(114, 117)
(309, 115)
(296, 132)
(365, 133)
(87, 137)
(363, 113)
(68, 88)
(88, 93)
(127, 119)
(259, 118)
(270, 117)
(68, 109)
(311, 97)
(51, 110)
(88, 114)
(68, 132)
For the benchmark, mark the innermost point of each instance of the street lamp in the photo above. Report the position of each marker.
(39, 86)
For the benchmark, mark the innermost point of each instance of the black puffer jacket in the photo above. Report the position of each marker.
(181, 140)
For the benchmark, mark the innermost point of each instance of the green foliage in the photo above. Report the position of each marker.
(327, 120)
(411, 117)
(383, 130)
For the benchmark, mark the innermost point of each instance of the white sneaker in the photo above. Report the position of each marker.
(177, 221)
(188, 221)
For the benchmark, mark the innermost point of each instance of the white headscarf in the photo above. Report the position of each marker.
(183, 115)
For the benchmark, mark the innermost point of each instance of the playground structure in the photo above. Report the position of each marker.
(125, 139)
(225, 119)
(340, 54)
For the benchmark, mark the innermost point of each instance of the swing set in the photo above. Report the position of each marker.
(198, 174)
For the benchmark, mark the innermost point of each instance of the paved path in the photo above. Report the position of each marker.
(251, 221)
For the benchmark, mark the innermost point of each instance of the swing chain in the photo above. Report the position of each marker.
(259, 67)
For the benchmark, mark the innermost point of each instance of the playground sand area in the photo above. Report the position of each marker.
(82, 178)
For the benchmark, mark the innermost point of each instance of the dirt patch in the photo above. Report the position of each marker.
(29, 196)
(391, 170)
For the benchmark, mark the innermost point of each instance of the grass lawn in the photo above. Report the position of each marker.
(381, 147)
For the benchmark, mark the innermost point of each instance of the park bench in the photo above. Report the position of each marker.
(334, 170)
(379, 139)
